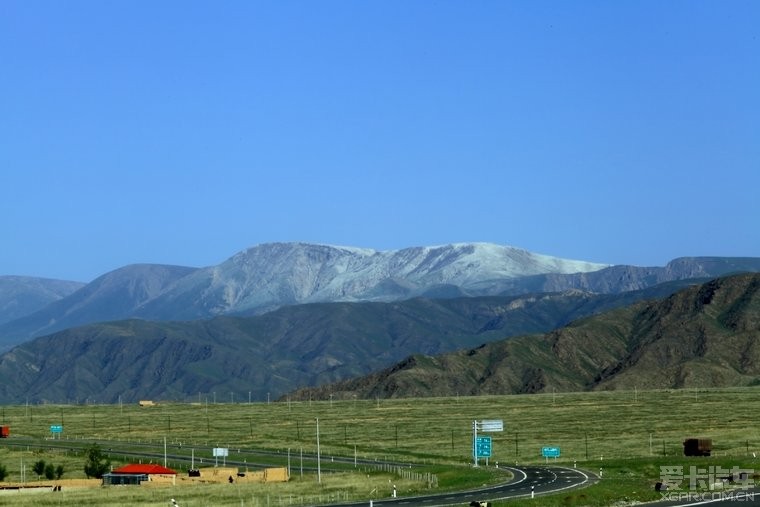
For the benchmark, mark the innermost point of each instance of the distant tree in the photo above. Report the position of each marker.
(3, 472)
(96, 464)
(59, 471)
(49, 471)
(39, 468)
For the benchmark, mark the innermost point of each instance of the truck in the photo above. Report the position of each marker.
(5, 431)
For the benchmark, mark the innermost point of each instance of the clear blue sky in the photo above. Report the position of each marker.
(181, 132)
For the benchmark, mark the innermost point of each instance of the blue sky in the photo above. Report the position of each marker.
(183, 132)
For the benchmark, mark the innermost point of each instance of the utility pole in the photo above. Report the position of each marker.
(319, 468)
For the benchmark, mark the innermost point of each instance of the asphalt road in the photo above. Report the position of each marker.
(526, 481)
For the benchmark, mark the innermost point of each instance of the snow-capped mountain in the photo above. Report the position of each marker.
(276, 274)
(273, 275)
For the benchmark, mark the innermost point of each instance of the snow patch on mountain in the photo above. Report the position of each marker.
(275, 274)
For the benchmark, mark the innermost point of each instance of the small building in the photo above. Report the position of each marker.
(138, 473)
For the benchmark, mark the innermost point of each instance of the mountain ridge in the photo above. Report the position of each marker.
(22, 295)
(272, 275)
(705, 335)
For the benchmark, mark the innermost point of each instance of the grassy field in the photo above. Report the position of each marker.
(628, 435)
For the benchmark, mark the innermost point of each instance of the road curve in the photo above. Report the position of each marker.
(526, 481)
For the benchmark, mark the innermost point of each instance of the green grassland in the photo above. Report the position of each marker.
(627, 435)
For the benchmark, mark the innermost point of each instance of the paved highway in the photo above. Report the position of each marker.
(526, 481)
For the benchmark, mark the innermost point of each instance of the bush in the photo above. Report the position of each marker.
(49, 471)
(3, 472)
(59, 471)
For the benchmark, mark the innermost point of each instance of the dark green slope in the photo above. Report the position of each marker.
(703, 336)
(271, 354)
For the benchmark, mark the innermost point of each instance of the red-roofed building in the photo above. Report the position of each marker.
(148, 469)
(137, 473)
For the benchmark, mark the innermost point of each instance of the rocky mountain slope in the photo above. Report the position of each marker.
(703, 336)
(618, 279)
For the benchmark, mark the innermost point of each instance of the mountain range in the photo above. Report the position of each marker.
(281, 316)
(269, 276)
(277, 352)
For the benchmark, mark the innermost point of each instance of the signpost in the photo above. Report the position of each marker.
(223, 452)
(550, 452)
(481, 446)
(56, 429)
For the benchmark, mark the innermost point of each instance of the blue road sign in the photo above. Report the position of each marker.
(56, 428)
(550, 452)
(483, 447)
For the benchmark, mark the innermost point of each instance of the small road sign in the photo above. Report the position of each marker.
(56, 428)
(550, 452)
